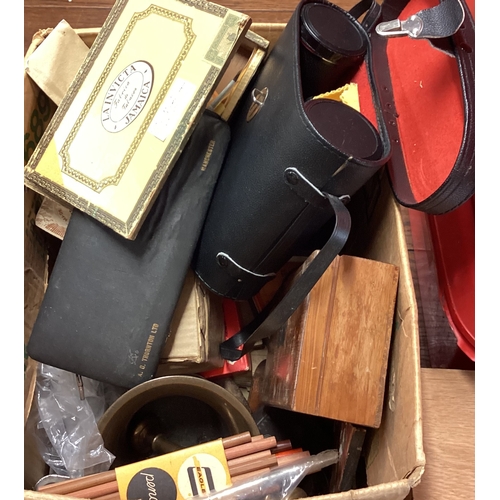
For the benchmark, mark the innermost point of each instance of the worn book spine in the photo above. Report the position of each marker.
(109, 301)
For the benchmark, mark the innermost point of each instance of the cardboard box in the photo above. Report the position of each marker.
(395, 456)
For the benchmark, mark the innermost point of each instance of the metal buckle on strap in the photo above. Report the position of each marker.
(440, 21)
(412, 27)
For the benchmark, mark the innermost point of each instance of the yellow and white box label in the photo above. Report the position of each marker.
(180, 475)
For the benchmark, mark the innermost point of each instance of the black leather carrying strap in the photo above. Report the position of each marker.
(372, 10)
(441, 21)
(284, 303)
(277, 312)
(460, 183)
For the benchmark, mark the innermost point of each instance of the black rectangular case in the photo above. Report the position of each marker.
(109, 301)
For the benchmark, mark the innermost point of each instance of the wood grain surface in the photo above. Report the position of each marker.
(448, 415)
(332, 360)
(41, 14)
(438, 343)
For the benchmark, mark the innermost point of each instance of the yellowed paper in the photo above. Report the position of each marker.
(57, 60)
(196, 331)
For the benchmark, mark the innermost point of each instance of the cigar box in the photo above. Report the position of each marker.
(48, 68)
(330, 359)
(132, 107)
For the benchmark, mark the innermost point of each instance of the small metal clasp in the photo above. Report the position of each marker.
(258, 99)
(412, 27)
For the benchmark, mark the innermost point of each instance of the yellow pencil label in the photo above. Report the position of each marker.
(180, 475)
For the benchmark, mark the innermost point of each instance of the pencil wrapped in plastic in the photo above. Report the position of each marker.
(279, 482)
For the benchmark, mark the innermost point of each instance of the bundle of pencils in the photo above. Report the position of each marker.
(246, 456)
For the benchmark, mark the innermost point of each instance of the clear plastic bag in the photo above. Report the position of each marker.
(277, 484)
(67, 433)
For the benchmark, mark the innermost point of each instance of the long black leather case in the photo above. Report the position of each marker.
(260, 213)
(109, 302)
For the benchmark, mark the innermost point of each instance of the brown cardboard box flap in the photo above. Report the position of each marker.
(402, 418)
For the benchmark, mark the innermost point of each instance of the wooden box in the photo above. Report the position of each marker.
(330, 359)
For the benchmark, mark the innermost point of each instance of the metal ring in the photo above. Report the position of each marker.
(258, 99)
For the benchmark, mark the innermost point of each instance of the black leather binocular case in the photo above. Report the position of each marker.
(294, 160)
